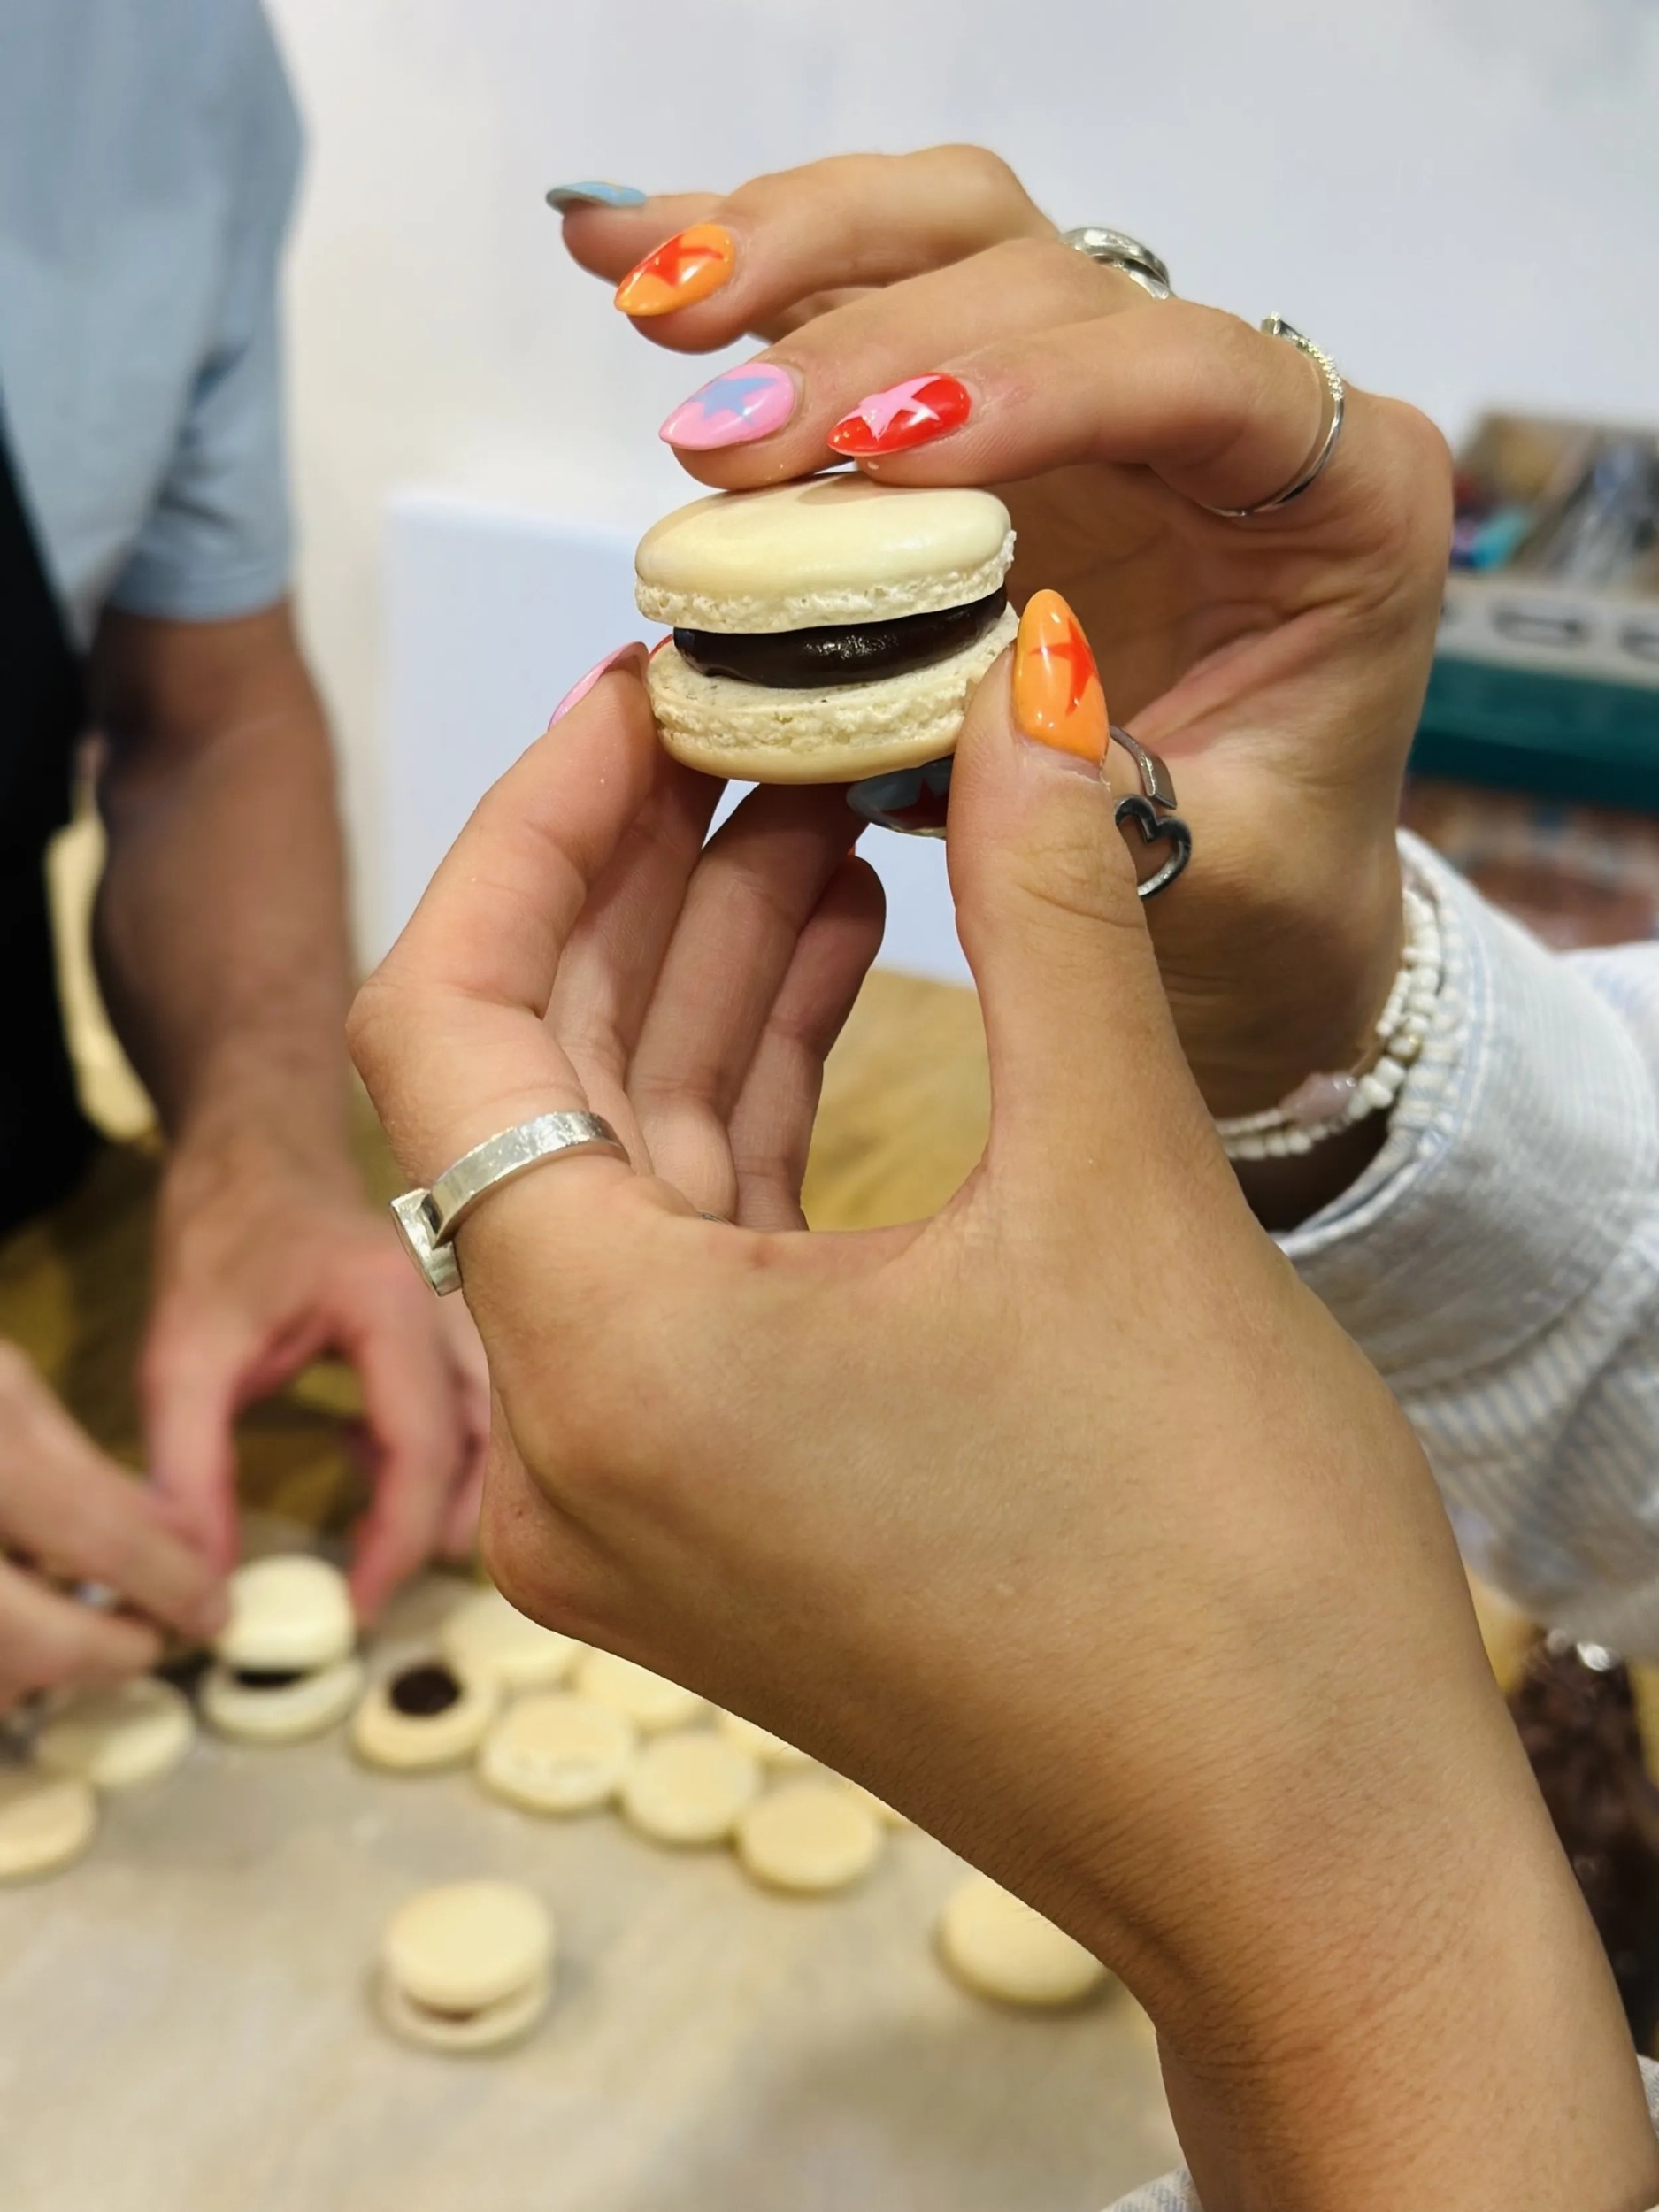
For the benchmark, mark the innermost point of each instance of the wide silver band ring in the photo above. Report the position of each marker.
(1118, 250)
(1329, 431)
(427, 1219)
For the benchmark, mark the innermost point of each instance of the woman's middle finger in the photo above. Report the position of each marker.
(753, 894)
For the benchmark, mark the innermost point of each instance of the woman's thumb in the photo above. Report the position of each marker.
(1078, 1030)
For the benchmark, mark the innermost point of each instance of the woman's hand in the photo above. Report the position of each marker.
(1066, 1520)
(1278, 665)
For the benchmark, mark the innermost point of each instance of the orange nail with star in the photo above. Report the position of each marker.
(684, 269)
(1057, 696)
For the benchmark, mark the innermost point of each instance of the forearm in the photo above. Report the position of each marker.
(220, 928)
(1376, 1983)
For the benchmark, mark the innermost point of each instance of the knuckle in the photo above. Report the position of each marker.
(365, 1027)
(983, 178)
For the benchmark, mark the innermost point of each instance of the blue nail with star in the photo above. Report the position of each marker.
(914, 801)
(595, 192)
(749, 402)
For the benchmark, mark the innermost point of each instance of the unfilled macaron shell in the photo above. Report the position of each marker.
(46, 1821)
(760, 1742)
(288, 1612)
(116, 1737)
(486, 1635)
(832, 549)
(303, 1707)
(689, 1789)
(810, 1837)
(649, 1700)
(721, 726)
(1002, 1948)
(556, 1752)
(385, 1736)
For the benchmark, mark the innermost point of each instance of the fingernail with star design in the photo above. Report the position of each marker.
(683, 270)
(732, 408)
(913, 413)
(1057, 696)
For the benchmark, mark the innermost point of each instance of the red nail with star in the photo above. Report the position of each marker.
(921, 409)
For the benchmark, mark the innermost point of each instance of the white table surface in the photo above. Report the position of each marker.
(184, 2022)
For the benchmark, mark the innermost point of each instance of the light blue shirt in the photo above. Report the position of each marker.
(149, 151)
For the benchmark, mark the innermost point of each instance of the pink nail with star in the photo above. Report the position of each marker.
(583, 685)
(732, 408)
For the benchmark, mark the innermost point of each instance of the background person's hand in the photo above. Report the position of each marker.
(261, 1266)
(1278, 664)
(69, 1516)
(1065, 1520)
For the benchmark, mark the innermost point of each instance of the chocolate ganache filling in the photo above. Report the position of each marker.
(839, 653)
(425, 1690)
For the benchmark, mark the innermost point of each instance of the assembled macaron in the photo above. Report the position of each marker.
(824, 630)
(286, 1661)
(467, 1967)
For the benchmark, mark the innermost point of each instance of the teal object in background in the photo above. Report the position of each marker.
(1525, 730)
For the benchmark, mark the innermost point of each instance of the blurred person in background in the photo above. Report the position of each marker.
(148, 160)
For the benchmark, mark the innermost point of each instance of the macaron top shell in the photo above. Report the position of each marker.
(824, 549)
(468, 1944)
(293, 1611)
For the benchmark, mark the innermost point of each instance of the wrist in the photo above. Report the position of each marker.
(1308, 969)
(224, 1156)
(1397, 1995)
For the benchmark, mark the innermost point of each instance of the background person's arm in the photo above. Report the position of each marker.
(222, 945)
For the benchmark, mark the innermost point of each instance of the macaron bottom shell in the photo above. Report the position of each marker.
(751, 731)
(308, 1707)
(491, 2028)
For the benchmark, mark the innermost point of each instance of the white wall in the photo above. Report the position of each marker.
(1459, 197)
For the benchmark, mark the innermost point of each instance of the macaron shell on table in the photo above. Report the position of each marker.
(119, 1738)
(824, 630)
(483, 1635)
(46, 1822)
(424, 1716)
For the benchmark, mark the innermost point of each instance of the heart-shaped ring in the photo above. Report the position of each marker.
(1154, 827)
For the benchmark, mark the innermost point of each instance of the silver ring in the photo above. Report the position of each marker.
(427, 1219)
(1152, 810)
(1118, 250)
(1275, 326)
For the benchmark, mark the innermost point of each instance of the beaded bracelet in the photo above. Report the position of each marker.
(1324, 1105)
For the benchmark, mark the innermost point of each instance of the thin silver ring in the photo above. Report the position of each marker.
(1116, 249)
(427, 1219)
(1336, 390)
